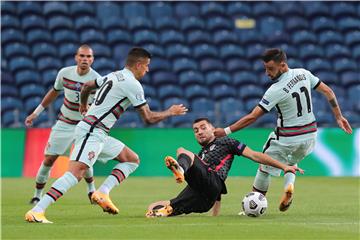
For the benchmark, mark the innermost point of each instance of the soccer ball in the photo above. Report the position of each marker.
(254, 204)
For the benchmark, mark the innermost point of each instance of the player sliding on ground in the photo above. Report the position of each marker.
(206, 172)
(118, 90)
(295, 135)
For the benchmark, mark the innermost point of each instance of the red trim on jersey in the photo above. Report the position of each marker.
(71, 105)
(222, 162)
(61, 117)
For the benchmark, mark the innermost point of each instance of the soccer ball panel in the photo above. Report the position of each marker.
(254, 204)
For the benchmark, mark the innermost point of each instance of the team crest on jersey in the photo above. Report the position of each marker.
(78, 86)
(91, 155)
(212, 147)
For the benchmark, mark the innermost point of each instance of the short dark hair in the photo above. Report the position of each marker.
(275, 54)
(201, 119)
(135, 54)
(83, 46)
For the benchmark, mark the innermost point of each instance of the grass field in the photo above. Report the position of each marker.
(324, 208)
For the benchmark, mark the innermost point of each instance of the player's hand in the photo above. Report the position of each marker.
(83, 109)
(219, 132)
(293, 169)
(178, 109)
(344, 124)
(29, 119)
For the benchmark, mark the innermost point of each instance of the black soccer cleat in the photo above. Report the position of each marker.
(34, 200)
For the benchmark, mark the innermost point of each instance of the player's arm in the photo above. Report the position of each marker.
(243, 122)
(50, 96)
(86, 89)
(150, 117)
(216, 208)
(267, 160)
(330, 95)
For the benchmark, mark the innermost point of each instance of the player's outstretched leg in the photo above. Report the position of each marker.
(174, 166)
(288, 194)
(89, 178)
(41, 178)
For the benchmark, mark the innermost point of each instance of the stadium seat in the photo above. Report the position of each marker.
(184, 64)
(44, 49)
(160, 10)
(184, 10)
(244, 77)
(344, 64)
(11, 36)
(192, 23)
(8, 7)
(327, 77)
(191, 77)
(320, 24)
(168, 91)
(31, 90)
(356, 52)
(198, 37)
(166, 23)
(324, 118)
(222, 91)
(334, 51)
(202, 105)
(155, 50)
(352, 38)
(25, 77)
(118, 37)
(48, 78)
(353, 94)
(257, 66)
(178, 51)
(230, 105)
(134, 9)
(37, 36)
(295, 63)
(262, 9)
(311, 51)
(9, 22)
(251, 103)
(330, 37)
(159, 64)
(231, 117)
(31, 103)
(9, 91)
(58, 103)
(219, 23)
(255, 51)
(212, 9)
(108, 10)
(350, 78)
(82, 9)
(342, 9)
(278, 37)
(10, 119)
(60, 23)
(101, 50)
(231, 51)
(139, 23)
(129, 120)
(65, 36)
(29, 8)
(153, 103)
(211, 64)
(340, 94)
(217, 77)
(113, 23)
(290, 50)
(10, 103)
(86, 22)
(266, 121)
(225, 37)
(174, 100)
(315, 9)
(6, 77)
(149, 91)
(237, 64)
(239, 9)
(316, 65)
(46, 63)
(204, 51)
(251, 91)
(145, 37)
(171, 37)
(55, 8)
(92, 36)
(21, 63)
(269, 25)
(16, 50)
(348, 24)
(182, 121)
(67, 50)
(196, 91)
(104, 65)
(164, 77)
(293, 9)
(32, 22)
(296, 23)
(304, 37)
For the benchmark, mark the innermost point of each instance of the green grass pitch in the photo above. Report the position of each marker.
(323, 208)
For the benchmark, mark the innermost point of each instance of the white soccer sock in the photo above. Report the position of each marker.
(59, 187)
(262, 181)
(89, 178)
(118, 174)
(289, 177)
(41, 177)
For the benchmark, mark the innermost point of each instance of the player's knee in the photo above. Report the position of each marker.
(134, 158)
(49, 160)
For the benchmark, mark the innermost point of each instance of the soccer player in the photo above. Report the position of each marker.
(295, 134)
(69, 79)
(206, 172)
(118, 90)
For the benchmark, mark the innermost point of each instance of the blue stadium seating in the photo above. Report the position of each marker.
(45, 63)
(348, 24)
(304, 37)
(82, 9)
(118, 36)
(291, 51)
(269, 25)
(16, 50)
(296, 23)
(8, 7)
(318, 64)
(196, 91)
(315, 9)
(67, 50)
(32, 103)
(211, 64)
(104, 65)
(9, 91)
(171, 37)
(159, 64)
(204, 51)
(254, 51)
(174, 100)
(24, 77)
(337, 51)
(229, 105)
(198, 37)
(350, 78)
(219, 23)
(134, 9)
(239, 9)
(86, 23)
(160, 10)
(212, 9)
(344, 64)
(244, 77)
(166, 23)
(153, 103)
(10, 103)
(139, 23)
(192, 23)
(342, 9)
(163, 77)
(177, 51)
(60, 22)
(330, 37)
(320, 24)
(48, 78)
(155, 50)
(169, 90)
(149, 90)
(225, 37)
(37, 36)
(202, 105)
(352, 38)
(9, 22)
(251, 103)
(65, 36)
(44, 49)
(129, 119)
(184, 64)
(291, 9)
(101, 50)
(108, 10)
(329, 77)
(21, 63)
(28, 8)
(110, 24)
(296, 63)
(55, 8)
(11, 36)
(356, 52)
(191, 77)
(32, 21)
(251, 91)
(237, 64)
(217, 77)
(186, 9)
(30, 91)
(92, 36)
(263, 9)
(145, 37)
(311, 51)
(277, 38)
(222, 91)
(231, 51)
